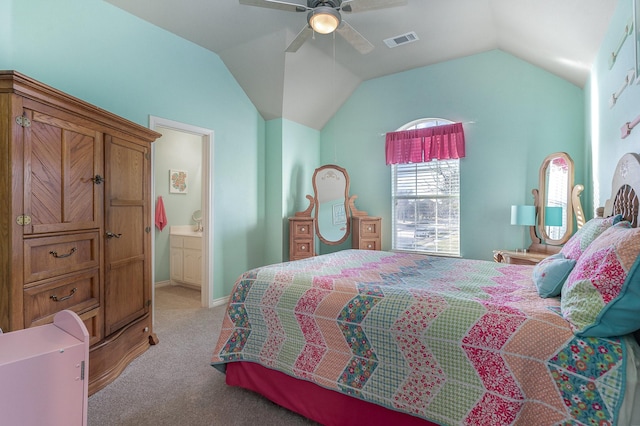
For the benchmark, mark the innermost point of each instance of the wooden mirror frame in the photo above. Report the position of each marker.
(541, 241)
(338, 170)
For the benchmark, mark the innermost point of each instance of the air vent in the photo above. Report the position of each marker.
(402, 39)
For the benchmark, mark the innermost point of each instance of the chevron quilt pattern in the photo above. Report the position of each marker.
(453, 341)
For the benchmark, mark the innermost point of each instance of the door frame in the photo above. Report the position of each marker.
(206, 290)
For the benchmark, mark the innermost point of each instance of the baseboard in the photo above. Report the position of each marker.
(220, 301)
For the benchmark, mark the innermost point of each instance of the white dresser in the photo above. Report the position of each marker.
(185, 256)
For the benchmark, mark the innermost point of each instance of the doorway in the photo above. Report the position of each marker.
(206, 136)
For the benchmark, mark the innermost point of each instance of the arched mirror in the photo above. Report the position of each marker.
(331, 196)
(557, 200)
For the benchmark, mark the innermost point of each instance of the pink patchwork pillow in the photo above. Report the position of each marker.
(601, 297)
(578, 243)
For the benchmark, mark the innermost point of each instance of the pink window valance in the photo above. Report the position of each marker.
(423, 145)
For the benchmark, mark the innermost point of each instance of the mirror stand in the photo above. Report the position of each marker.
(557, 190)
(332, 217)
(354, 210)
(307, 212)
(556, 202)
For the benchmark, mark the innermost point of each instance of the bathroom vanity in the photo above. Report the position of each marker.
(185, 256)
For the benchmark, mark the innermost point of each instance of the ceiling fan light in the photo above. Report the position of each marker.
(324, 20)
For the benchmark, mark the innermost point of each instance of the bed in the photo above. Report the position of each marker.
(398, 338)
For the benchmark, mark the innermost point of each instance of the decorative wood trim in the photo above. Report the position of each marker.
(577, 206)
(307, 212)
(354, 210)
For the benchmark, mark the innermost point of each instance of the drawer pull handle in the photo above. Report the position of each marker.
(112, 235)
(60, 256)
(62, 299)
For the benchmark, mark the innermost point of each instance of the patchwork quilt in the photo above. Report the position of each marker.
(453, 341)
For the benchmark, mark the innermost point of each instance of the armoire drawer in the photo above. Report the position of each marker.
(48, 257)
(78, 292)
(93, 321)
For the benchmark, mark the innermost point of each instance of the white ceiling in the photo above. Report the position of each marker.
(308, 86)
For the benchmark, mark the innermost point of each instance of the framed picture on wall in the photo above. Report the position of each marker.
(178, 181)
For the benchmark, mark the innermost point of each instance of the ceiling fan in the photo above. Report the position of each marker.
(323, 16)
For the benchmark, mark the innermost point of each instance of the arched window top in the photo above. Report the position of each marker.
(422, 123)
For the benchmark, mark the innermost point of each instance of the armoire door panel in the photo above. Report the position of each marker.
(127, 240)
(127, 227)
(61, 160)
(125, 297)
(129, 185)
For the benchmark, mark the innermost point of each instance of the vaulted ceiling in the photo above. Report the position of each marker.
(310, 85)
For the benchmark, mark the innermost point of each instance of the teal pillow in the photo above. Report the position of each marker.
(601, 297)
(550, 274)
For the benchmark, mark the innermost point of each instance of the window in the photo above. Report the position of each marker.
(426, 203)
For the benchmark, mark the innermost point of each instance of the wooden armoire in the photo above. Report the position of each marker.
(75, 222)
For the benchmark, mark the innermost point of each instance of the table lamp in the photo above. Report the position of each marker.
(523, 216)
(553, 216)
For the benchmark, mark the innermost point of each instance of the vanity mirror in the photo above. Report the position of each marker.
(331, 215)
(331, 195)
(557, 200)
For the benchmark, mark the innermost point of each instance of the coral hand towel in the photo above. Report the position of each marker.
(161, 215)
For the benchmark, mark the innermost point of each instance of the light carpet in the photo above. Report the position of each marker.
(173, 383)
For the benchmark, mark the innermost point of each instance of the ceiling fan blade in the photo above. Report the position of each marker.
(300, 39)
(364, 5)
(356, 39)
(275, 4)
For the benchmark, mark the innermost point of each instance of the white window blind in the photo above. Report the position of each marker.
(426, 207)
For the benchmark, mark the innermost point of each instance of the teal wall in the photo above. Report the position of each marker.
(105, 56)
(514, 115)
(292, 156)
(273, 191)
(604, 142)
(181, 151)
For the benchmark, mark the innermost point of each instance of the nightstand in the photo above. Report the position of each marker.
(519, 257)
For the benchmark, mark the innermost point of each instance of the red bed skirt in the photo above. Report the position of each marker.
(314, 402)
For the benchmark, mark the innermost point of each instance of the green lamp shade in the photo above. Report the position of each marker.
(553, 216)
(523, 215)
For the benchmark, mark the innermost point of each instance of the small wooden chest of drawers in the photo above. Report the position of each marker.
(301, 237)
(366, 233)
